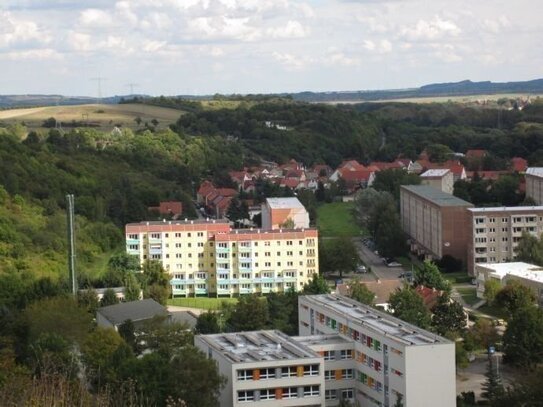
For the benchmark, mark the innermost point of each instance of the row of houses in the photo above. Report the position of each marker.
(439, 224)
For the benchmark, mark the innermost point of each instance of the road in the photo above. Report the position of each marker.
(370, 259)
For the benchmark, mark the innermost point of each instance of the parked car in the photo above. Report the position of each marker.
(394, 264)
(361, 269)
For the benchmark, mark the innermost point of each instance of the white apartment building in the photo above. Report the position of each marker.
(442, 179)
(534, 184)
(207, 258)
(265, 368)
(339, 365)
(528, 275)
(389, 356)
(495, 232)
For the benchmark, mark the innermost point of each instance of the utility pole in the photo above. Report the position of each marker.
(132, 86)
(71, 242)
(99, 79)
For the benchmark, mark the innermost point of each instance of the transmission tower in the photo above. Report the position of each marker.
(132, 86)
(99, 80)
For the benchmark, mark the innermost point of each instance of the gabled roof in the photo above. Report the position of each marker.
(383, 165)
(205, 188)
(133, 310)
(358, 175)
(227, 191)
(519, 164)
(351, 165)
(429, 296)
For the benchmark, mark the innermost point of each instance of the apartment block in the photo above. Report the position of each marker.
(277, 211)
(339, 366)
(495, 232)
(207, 258)
(436, 222)
(265, 368)
(534, 184)
(389, 357)
(442, 179)
(529, 275)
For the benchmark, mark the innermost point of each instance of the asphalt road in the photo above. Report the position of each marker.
(370, 259)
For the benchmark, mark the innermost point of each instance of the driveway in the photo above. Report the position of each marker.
(370, 259)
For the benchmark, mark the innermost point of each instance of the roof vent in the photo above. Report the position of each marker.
(207, 219)
(191, 222)
(186, 219)
(164, 220)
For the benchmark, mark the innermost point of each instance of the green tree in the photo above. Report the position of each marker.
(483, 333)
(438, 153)
(525, 391)
(59, 315)
(283, 311)
(317, 285)
(127, 330)
(207, 323)
(492, 386)
(109, 298)
(340, 255)
(523, 338)
(237, 210)
(448, 316)
(390, 181)
(250, 314)
(430, 276)
(97, 350)
(132, 288)
(399, 400)
(407, 305)
(492, 287)
(155, 282)
(162, 336)
(530, 249)
(514, 297)
(361, 293)
(88, 299)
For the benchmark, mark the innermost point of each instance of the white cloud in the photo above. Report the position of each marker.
(382, 46)
(430, 30)
(16, 32)
(93, 17)
(32, 54)
(293, 29)
(290, 61)
(79, 41)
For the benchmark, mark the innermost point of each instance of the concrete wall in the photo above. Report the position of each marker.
(534, 188)
(431, 379)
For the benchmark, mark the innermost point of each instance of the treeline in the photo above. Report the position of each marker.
(320, 133)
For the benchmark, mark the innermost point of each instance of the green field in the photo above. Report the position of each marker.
(202, 302)
(336, 220)
(458, 277)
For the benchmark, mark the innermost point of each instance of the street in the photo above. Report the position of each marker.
(370, 259)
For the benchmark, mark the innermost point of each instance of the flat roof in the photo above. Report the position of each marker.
(507, 209)
(437, 172)
(179, 222)
(316, 340)
(435, 195)
(377, 321)
(255, 346)
(284, 203)
(535, 171)
(518, 269)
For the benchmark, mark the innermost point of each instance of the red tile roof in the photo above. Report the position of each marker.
(382, 165)
(429, 296)
(519, 164)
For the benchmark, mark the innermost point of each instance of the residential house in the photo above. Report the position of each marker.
(534, 184)
(172, 209)
(277, 211)
(442, 179)
(138, 312)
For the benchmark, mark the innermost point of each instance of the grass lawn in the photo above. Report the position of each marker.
(335, 220)
(469, 295)
(458, 277)
(201, 302)
(493, 311)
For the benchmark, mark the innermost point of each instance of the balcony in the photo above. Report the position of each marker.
(133, 252)
(200, 291)
(132, 241)
(246, 290)
(219, 249)
(243, 249)
(155, 250)
(153, 240)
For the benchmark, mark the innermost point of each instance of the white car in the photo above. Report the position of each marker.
(361, 269)
(394, 264)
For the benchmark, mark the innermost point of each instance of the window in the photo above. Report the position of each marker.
(347, 394)
(245, 374)
(266, 243)
(347, 373)
(346, 354)
(246, 395)
(289, 371)
(290, 392)
(178, 235)
(155, 235)
(330, 394)
(200, 234)
(200, 244)
(329, 355)
(267, 373)
(310, 391)
(311, 370)
(478, 221)
(267, 394)
(135, 237)
(329, 375)
(178, 245)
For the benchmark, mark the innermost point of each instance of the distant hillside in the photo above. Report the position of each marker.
(463, 88)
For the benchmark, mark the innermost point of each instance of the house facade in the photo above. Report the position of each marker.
(534, 184)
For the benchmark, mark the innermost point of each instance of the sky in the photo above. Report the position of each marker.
(170, 47)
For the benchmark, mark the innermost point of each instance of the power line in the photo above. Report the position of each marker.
(99, 79)
(132, 86)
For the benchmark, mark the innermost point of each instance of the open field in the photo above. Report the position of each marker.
(201, 302)
(465, 99)
(103, 117)
(335, 220)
